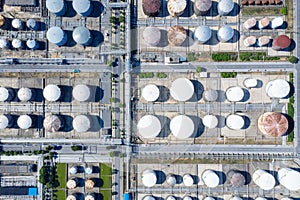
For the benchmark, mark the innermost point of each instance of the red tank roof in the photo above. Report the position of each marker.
(281, 42)
(151, 7)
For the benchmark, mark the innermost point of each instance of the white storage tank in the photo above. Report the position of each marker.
(17, 43)
(237, 179)
(149, 178)
(32, 44)
(149, 197)
(209, 198)
(201, 7)
(182, 126)
(235, 122)
(5, 94)
(250, 82)
(176, 7)
(56, 35)
(187, 198)
(25, 94)
(210, 121)
(171, 179)
(182, 89)
(73, 170)
(57, 7)
(236, 198)
(225, 33)
(210, 178)
(90, 197)
(234, 94)
(83, 7)
(150, 92)
(277, 22)
(171, 198)
(289, 178)
(88, 170)
(6, 121)
(225, 7)
(72, 183)
(52, 123)
(32, 24)
(278, 88)
(71, 197)
(264, 23)
(82, 36)
(24, 122)
(4, 43)
(261, 198)
(202, 34)
(81, 93)
(81, 123)
(250, 23)
(250, 41)
(51, 92)
(263, 41)
(17, 24)
(149, 126)
(188, 180)
(263, 179)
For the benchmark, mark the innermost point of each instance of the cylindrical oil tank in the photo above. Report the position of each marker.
(201, 7)
(149, 126)
(4, 43)
(210, 121)
(210, 178)
(281, 42)
(171, 197)
(250, 82)
(171, 179)
(32, 44)
(25, 94)
(235, 122)
(82, 36)
(73, 170)
(264, 23)
(51, 92)
(209, 198)
(210, 95)
(234, 94)
(71, 197)
(176, 7)
(72, 183)
(237, 179)
(89, 170)
(278, 88)
(57, 36)
(273, 124)
(17, 43)
(57, 7)
(32, 24)
(89, 184)
(182, 89)
(81, 123)
(81, 93)
(188, 180)
(263, 179)
(152, 35)
(263, 41)
(250, 23)
(150, 92)
(52, 123)
(202, 34)
(261, 198)
(182, 127)
(250, 41)
(2, 21)
(17, 24)
(225, 33)
(6, 121)
(151, 7)
(289, 178)
(277, 22)
(6, 94)
(90, 197)
(24, 122)
(149, 178)
(176, 35)
(149, 197)
(83, 7)
(236, 198)
(225, 7)
(187, 198)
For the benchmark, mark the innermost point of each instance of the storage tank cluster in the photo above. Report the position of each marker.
(18, 44)
(59, 8)
(58, 36)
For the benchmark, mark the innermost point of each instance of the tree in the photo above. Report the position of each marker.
(43, 178)
(198, 69)
(112, 20)
(283, 11)
(76, 148)
(293, 59)
(191, 56)
(49, 148)
(121, 19)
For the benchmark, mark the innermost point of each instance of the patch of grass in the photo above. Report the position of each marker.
(146, 75)
(224, 56)
(105, 176)
(260, 11)
(283, 11)
(228, 74)
(248, 56)
(161, 75)
(61, 170)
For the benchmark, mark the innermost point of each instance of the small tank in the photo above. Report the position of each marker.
(17, 24)
(57, 36)
(250, 41)
(225, 33)
(4, 43)
(264, 23)
(201, 7)
(32, 44)
(25, 94)
(176, 35)
(89, 184)
(6, 121)
(83, 7)
(17, 44)
(263, 41)
(151, 7)
(176, 7)
(82, 36)
(73, 170)
(250, 23)
(32, 24)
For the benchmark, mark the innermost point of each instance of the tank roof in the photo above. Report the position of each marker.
(250, 82)
(187, 198)
(225, 33)
(210, 121)
(263, 179)
(24, 94)
(150, 92)
(236, 198)
(182, 89)
(273, 124)
(81, 123)
(31, 23)
(235, 122)
(171, 179)
(188, 180)
(237, 179)
(71, 184)
(149, 126)
(55, 35)
(16, 43)
(250, 23)
(152, 35)
(176, 35)
(210, 178)
(277, 22)
(278, 88)
(52, 123)
(281, 42)
(210, 95)
(71, 197)
(89, 184)
(17, 23)
(203, 5)
(182, 126)
(81, 6)
(202, 33)
(31, 43)
(264, 22)
(289, 178)
(55, 6)
(81, 35)
(88, 170)
(4, 94)
(89, 197)
(73, 170)
(51, 92)
(3, 43)
(81, 92)
(225, 6)
(263, 40)
(4, 121)
(234, 94)
(24, 121)
(149, 178)
(2, 20)
(249, 41)
(151, 7)
(149, 197)
(176, 7)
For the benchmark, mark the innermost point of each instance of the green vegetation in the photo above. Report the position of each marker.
(283, 11)
(112, 20)
(61, 170)
(224, 56)
(228, 74)
(290, 108)
(146, 75)
(161, 75)
(76, 148)
(121, 19)
(191, 56)
(198, 69)
(105, 176)
(293, 59)
(116, 153)
(248, 56)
